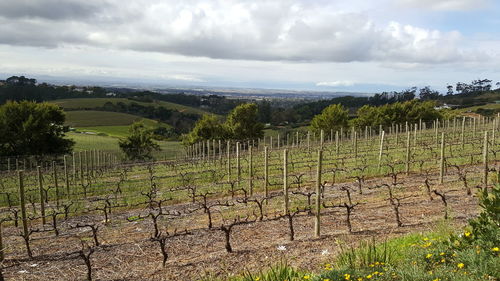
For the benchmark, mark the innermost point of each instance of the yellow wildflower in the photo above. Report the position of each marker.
(467, 234)
(347, 276)
(428, 256)
(460, 265)
(495, 249)
(369, 276)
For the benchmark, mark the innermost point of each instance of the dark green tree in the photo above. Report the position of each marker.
(207, 128)
(29, 128)
(139, 145)
(426, 93)
(242, 123)
(333, 117)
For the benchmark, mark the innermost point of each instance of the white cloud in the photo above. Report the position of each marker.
(336, 84)
(287, 30)
(446, 5)
(182, 77)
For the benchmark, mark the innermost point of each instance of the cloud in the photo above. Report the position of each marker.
(286, 30)
(336, 84)
(182, 77)
(49, 9)
(446, 5)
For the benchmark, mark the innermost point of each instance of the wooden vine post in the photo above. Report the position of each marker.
(356, 146)
(485, 159)
(80, 174)
(285, 181)
(317, 220)
(24, 218)
(228, 150)
(56, 184)
(238, 166)
(337, 143)
(308, 141)
(321, 140)
(220, 153)
(441, 163)
(407, 152)
(250, 170)
(66, 175)
(462, 137)
(474, 127)
(74, 167)
(266, 171)
(381, 150)
(41, 191)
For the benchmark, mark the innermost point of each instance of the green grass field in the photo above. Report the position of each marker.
(91, 118)
(91, 103)
(495, 106)
(86, 141)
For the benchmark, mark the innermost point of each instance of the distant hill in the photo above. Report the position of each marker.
(92, 118)
(92, 103)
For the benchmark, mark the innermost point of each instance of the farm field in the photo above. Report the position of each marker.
(91, 118)
(102, 130)
(109, 144)
(91, 103)
(223, 210)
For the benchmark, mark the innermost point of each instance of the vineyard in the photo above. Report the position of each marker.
(225, 207)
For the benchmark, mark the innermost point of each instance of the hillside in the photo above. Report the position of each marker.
(92, 103)
(91, 118)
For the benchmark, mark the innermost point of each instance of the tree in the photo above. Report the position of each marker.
(139, 145)
(207, 128)
(450, 90)
(20, 81)
(426, 93)
(29, 128)
(410, 111)
(242, 124)
(333, 117)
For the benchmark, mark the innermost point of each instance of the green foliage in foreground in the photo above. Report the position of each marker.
(29, 128)
(437, 256)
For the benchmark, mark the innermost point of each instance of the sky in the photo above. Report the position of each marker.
(321, 45)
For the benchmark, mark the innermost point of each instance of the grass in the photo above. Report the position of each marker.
(415, 256)
(120, 131)
(91, 118)
(493, 106)
(91, 103)
(84, 141)
(112, 131)
(281, 271)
